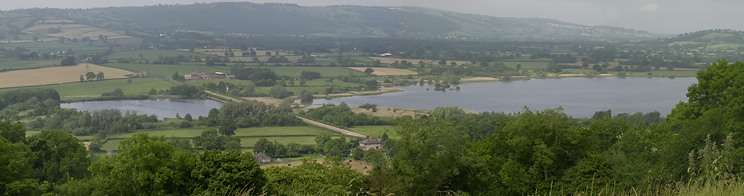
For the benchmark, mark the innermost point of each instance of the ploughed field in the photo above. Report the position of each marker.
(56, 75)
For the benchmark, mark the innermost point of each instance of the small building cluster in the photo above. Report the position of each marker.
(387, 54)
(371, 144)
(206, 76)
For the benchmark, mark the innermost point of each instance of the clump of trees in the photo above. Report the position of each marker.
(186, 91)
(278, 150)
(280, 92)
(260, 76)
(69, 60)
(309, 75)
(151, 165)
(251, 114)
(306, 97)
(212, 140)
(342, 115)
(20, 104)
(311, 178)
(115, 93)
(91, 76)
(104, 122)
(34, 165)
(338, 147)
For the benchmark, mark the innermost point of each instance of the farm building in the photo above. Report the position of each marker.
(371, 144)
(387, 54)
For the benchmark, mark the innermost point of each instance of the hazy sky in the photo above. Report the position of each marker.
(661, 16)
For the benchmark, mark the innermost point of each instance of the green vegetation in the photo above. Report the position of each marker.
(378, 131)
(342, 116)
(248, 136)
(166, 71)
(325, 71)
(146, 56)
(11, 64)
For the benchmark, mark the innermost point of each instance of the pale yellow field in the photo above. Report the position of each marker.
(56, 75)
(386, 71)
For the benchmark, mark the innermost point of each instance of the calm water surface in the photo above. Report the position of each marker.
(579, 97)
(162, 108)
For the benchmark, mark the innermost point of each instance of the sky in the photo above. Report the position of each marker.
(659, 16)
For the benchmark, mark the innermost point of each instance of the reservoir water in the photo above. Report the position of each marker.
(579, 97)
(162, 108)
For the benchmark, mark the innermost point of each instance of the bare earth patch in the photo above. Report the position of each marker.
(265, 100)
(379, 71)
(56, 75)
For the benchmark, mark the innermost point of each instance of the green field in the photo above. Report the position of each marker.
(248, 136)
(325, 71)
(80, 48)
(531, 65)
(12, 63)
(315, 86)
(149, 54)
(378, 131)
(166, 71)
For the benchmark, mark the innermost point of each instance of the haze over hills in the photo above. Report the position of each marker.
(343, 21)
(717, 40)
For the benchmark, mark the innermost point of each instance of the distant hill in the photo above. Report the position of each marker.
(709, 39)
(344, 21)
(711, 36)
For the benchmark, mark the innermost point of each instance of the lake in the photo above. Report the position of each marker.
(162, 108)
(579, 97)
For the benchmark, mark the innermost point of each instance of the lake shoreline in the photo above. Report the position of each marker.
(604, 97)
(162, 108)
(494, 79)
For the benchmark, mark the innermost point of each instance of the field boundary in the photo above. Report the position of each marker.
(332, 128)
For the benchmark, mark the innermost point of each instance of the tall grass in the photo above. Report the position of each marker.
(717, 188)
